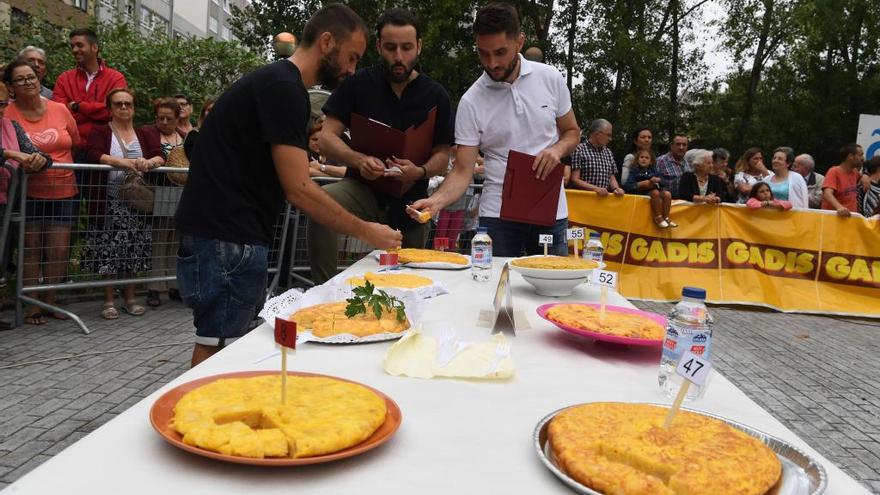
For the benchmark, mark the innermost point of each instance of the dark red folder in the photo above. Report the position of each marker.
(527, 199)
(382, 141)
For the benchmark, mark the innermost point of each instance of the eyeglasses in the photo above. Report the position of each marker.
(184, 103)
(24, 81)
(123, 104)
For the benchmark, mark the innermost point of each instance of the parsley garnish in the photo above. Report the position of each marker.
(368, 298)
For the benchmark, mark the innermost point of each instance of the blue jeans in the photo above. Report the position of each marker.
(512, 239)
(224, 283)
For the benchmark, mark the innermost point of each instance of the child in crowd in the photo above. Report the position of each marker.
(645, 180)
(761, 196)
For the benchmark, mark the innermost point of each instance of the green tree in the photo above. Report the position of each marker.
(257, 23)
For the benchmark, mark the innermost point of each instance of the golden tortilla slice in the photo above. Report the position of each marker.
(329, 319)
(400, 280)
(555, 263)
(623, 449)
(617, 324)
(245, 417)
(411, 255)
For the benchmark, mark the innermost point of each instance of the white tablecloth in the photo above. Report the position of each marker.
(456, 436)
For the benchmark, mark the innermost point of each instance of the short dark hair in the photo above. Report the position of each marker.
(871, 165)
(88, 33)
(497, 17)
(180, 96)
(169, 103)
(678, 135)
(848, 149)
(397, 17)
(7, 72)
(335, 18)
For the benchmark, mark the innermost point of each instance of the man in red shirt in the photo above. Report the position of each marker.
(840, 189)
(84, 88)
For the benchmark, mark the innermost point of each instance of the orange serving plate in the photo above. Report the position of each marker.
(163, 411)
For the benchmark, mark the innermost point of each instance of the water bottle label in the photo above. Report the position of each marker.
(595, 255)
(481, 256)
(678, 341)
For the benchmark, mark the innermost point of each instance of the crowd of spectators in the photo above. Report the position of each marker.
(705, 177)
(88, 117)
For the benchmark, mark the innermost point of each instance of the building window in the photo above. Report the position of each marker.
(81, 4)
(108, 6)
(225, 33)
(146, 18)
(129, 11)
(212, 24)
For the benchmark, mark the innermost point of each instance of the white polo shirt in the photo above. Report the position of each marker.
(499, 117)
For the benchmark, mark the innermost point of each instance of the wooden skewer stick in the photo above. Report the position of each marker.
(603, 299)
(682, 392)
(283, 375)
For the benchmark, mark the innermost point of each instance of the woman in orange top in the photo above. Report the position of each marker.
(52, 204)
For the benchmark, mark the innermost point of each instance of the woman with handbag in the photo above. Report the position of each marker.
(123, 246)
(168, 113)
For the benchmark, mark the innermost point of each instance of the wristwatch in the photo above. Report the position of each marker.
(75, 107)
(323, 168)
(424, 170)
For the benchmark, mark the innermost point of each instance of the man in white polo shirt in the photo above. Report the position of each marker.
(515, 104)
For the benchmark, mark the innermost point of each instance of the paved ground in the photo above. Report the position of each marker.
(816, 374)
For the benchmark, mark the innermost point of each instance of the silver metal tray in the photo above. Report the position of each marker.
(801, 474)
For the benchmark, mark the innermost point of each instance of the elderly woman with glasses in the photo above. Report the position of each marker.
(52, 204)
(123, 246)
(167, 113)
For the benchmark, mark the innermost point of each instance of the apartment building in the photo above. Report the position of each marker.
(199, 18)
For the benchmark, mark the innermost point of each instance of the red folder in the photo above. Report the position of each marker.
(527, 199)
(382, 141)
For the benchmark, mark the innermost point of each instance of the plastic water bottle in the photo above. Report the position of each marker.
(481, 255)
(688, 328)
(594, 249)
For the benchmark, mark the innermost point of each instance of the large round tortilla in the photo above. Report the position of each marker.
(245, 416)
(623, 449)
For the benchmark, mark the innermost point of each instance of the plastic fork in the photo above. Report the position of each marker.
(502, 350)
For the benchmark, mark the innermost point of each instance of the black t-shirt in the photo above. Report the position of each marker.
(369, 94)
(233, 192)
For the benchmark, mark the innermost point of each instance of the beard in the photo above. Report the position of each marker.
(329, 71)
(403, 77)
(507, 72)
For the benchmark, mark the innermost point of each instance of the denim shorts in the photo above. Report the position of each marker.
(62, 212)
(224, 283)
(512, 239)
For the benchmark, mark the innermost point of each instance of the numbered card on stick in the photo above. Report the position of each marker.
(693, 368)
(605, 278)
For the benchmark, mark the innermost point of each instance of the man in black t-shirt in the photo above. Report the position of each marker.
(252, 154)
(395, 94)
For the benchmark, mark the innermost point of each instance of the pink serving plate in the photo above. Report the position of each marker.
(542, 312)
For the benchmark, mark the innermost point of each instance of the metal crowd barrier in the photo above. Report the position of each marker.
(93, 239)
